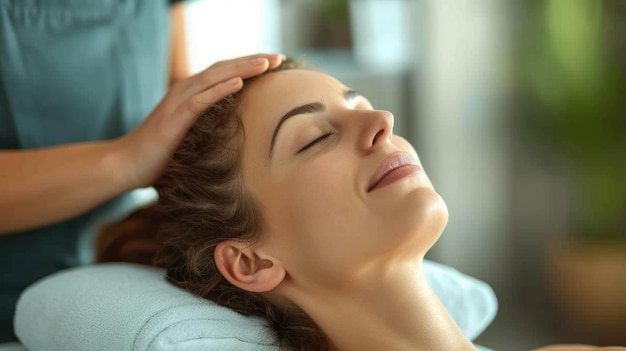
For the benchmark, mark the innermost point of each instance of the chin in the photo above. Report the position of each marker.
(424, 216)
(439, 217)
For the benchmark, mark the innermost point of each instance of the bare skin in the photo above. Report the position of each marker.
(179, 67)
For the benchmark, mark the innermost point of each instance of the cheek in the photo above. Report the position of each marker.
(314, 215)
(318, 193)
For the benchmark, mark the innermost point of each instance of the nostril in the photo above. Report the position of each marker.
(380, 132)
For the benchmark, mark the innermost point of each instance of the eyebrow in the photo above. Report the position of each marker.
(311, 107)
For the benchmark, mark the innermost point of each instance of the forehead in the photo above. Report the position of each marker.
(278, 92)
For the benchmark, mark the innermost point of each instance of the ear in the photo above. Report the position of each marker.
(241, 266)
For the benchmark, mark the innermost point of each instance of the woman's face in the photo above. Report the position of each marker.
(317, 157)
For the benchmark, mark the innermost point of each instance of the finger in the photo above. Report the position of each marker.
(186, 115)
(260, 63)
(218, 74)
(271, 57)
(276, 60)
(201, 102)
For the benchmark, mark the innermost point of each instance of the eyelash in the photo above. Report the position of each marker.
(311, 144)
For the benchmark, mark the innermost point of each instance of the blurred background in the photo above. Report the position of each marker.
(518, 111)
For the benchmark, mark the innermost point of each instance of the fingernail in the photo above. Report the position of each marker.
(258, 62)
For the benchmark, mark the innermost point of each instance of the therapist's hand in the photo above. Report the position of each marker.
(145, 152)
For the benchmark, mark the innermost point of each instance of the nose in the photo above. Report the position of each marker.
(376, 129)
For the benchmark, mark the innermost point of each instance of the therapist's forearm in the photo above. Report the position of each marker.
(179, 61)
(45, 186)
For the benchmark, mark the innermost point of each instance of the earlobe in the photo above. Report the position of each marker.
(242, 267)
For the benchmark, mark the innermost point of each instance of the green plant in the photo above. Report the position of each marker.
(335, 11)
(575, 75)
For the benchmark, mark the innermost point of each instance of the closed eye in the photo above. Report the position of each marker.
(311, 144)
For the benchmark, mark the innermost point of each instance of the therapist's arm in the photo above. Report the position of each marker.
(45, 186)
(179, 63)
(40, 187)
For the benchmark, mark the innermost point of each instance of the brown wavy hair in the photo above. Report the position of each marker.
(202, 202)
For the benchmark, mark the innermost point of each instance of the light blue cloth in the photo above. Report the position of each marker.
(12, 346)
(130, 307)
(471, 302)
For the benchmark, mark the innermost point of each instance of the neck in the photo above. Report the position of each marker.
(390, 309)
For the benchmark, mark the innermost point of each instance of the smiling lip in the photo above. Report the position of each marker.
(393, 168)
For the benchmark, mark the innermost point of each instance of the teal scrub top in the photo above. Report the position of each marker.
(72, 71)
